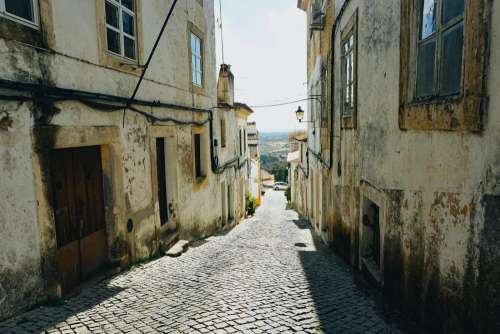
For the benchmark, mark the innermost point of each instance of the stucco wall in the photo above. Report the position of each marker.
(441, 177)
(20, 269)
(71, 58)
(438, 191)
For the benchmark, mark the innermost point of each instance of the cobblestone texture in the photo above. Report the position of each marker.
(267, 275)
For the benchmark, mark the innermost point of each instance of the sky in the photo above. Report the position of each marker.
(265, 44)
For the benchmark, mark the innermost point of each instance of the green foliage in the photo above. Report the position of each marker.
(276, 166)
(268, 162)
(280, 173)
(288, 193)
(250, 204)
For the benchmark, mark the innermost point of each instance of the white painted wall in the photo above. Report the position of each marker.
(74, 63)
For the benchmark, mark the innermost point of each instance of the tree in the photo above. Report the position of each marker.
(280, 173)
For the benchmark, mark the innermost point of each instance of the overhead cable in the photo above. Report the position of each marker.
(282, 103)
(221, 31)
(151, 54)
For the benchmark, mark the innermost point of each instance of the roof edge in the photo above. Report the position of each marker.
(301, 4)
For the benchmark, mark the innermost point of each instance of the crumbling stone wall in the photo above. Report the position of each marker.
(438, 190)
(29, 130)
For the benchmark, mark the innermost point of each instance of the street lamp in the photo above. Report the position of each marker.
(300, 114)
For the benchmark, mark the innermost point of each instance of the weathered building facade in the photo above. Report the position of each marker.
(254, 155)
(90, 180)
(297, 176)
(404, 152)
(233, 149)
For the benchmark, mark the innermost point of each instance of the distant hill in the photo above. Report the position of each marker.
(274, 148)
(266, 136)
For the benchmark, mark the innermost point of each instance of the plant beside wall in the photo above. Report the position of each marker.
(251, 203)
(288, 194)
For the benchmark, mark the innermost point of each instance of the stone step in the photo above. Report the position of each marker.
(373, 270)
(168, 240)
(180, 247)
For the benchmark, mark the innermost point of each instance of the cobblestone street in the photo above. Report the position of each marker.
(267, 275)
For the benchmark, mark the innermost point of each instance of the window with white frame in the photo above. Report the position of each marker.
(349, 72)
(196, 61)
(23, 11)
(348, 69)
(121, 33)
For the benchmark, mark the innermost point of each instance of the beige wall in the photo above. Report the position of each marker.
(438, 191)
(71, 56)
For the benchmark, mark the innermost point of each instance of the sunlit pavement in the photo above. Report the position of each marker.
(267, 275)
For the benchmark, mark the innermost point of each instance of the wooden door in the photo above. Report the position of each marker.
(79, 213)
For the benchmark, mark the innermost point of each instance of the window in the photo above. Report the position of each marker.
(121, 28)
(348, 66)
(322, 97)
(223, 132)
(349, 73)
(440, 48)
(442, 64)
(24, 11)
(196, 61)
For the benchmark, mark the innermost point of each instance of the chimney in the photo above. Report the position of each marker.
(225, 86)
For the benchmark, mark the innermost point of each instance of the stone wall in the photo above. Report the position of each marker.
(68, 51)
(437, 191)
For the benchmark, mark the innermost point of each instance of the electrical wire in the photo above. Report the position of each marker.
(15, 97)
(42, 93)
(221, 31)
(282, 103)
(57, 93)
(149, 116)
(151, 54)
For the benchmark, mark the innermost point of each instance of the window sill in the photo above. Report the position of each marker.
(125, 60)
(437, 100)
(122, 64)
(200, 179)
(18, 20)
(197, 89)
(14, 30)
(200, 183)
(348, 122)
(454, 113)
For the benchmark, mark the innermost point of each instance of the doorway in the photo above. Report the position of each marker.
(224, 203)
(311, 193)
(317, 198)
(77, 185)
(370, 241)
(161, 172)
(230, 201)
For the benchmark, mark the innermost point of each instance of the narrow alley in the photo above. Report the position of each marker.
(267, 275)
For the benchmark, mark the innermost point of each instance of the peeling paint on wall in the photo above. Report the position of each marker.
(441, 187)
